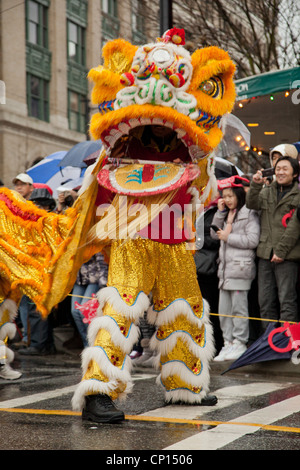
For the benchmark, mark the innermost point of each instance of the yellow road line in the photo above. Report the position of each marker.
(212, 423)
(41, 412)
(196, 422)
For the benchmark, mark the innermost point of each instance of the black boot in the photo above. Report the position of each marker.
(209, 400)
(101, 409)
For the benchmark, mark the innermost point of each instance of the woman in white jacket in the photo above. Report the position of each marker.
(238, 230)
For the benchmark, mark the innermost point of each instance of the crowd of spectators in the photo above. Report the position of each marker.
(247, 261)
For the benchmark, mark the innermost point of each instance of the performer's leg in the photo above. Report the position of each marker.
(106, 365)
(184, 336)
(8, 312)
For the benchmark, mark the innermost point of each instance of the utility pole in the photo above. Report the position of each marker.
(166, 15)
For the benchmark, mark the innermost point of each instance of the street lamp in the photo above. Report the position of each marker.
(166, 15)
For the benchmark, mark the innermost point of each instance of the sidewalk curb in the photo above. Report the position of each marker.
(280, 368)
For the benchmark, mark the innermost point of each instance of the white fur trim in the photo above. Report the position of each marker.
(195, 201)
(179, 369)
(184, 396)
(108, 323)
(7, 330)
(94, 386)
(204, 353)
(112, 296)
(178, 307)
(212, 184)
(98, 355)
(10, 355)
(156, 361)
(11, 307)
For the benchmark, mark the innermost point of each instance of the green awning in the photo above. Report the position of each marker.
(268, 83)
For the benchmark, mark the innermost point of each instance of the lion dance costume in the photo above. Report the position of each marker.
(159, 114)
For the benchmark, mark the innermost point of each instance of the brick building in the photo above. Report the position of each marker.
(46, 50)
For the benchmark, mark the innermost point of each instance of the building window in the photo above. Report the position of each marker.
(38, 59)
(110, 7)
(76, 43)
(110, 20)
(37, 23)
(38, 97)
(77, 14)
(138, 22)
(77, 112)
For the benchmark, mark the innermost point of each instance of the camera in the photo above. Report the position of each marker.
(268, 172)
(69, 201)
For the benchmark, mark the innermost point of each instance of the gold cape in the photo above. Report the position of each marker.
(41, 252)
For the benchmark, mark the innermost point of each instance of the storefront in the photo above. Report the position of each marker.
(269, 105)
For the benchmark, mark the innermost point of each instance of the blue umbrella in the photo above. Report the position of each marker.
(80, 152)
(261, 351)
(49, 171)
(297, 145)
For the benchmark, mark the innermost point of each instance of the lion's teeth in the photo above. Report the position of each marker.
(180, 133)
(145, 121)
(168, 124)
(134, 123)
(109, 139)
(157, 122)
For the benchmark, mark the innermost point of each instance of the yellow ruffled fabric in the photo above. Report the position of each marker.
(41, 252)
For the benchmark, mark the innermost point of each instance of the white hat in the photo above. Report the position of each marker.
(24, 178)
(286, 150)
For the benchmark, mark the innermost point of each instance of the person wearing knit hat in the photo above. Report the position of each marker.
(43, 199)
(283, 150)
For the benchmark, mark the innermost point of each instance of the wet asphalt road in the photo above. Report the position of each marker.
(35, 413)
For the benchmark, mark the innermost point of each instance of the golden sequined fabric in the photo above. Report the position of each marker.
(144, 265)
(41, 252)
(113, 353)
(95, 373)
(168, 271)
(182, 353)
(174, 382)
(182, 324)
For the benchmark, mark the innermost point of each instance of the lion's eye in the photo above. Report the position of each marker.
(213, 87)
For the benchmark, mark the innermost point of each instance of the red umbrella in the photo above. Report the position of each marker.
(42, 185)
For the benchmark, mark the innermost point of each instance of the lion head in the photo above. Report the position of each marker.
(163, 88)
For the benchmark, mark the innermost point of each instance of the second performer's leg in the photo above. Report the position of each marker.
(184, 334)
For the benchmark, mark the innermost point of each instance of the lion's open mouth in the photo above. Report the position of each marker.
(147, 139)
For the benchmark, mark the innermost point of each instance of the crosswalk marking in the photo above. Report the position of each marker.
(37, 397)
(266, 427)
(224, 434)
(226, 396)
(220, 435)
